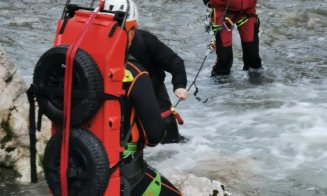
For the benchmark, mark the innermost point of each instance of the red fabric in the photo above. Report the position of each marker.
(166, 113)
(176, 114)
(67, 105)
(179, 118)
(234, 5)
(247, 30)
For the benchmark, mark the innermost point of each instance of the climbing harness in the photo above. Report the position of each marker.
(241, 21)
(228, 23)
(154, 187)
(225, 23)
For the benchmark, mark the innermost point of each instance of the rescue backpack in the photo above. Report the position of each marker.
(78, 85)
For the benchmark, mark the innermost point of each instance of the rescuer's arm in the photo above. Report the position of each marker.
(167, 59)
(147, 109)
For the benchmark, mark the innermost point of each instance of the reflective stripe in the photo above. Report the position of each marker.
(241, 21)
(154, 187)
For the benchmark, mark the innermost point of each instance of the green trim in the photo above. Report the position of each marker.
(241, 21)
(154, 187)
(215, 28)
(131, 148)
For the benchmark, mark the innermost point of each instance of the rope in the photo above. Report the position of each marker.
(195, 78)
(67, 103)
(204, 59)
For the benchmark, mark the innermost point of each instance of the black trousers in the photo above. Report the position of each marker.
(165, 104)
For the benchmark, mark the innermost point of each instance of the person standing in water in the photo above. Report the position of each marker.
(225, 15)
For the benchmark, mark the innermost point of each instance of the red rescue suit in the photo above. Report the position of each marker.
(237, 10)
(234, 5)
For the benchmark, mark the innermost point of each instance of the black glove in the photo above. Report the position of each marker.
(206, 2)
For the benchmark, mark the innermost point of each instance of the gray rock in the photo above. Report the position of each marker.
(14, 124)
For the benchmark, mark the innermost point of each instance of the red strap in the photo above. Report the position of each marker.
(176, 114)
(67, 103)
(166, 113)
(178, 118)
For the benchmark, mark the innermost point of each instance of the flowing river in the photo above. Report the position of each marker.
(259, 135)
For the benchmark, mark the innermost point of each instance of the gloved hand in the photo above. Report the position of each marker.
(181, 93)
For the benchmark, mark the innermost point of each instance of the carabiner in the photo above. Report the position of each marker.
(228, 24)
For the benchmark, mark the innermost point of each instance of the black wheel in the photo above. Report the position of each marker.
(88, 165)
(87, 80)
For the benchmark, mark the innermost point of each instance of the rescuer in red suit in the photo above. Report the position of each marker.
(242, 14)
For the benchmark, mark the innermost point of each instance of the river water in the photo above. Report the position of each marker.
(259, 135)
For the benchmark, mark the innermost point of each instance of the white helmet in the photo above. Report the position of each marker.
(121, 5)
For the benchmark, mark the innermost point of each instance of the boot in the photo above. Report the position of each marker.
(180, 139)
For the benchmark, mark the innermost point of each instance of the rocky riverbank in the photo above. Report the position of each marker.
(14, 126)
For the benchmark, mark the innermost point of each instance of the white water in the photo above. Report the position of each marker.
(258, 136)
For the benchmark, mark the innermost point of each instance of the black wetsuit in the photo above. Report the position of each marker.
(156, 57)
(142, 102)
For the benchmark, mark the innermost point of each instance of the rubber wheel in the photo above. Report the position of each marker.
(87, 79)
(88, 165)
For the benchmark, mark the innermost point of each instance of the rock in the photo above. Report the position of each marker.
(7, 68)
(14, 125)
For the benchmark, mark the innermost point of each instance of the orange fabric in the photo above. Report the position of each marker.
(135, 133)
(134, 130)
(132, 119)
(166, 113)
(130, 24)
(137, 69)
